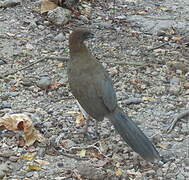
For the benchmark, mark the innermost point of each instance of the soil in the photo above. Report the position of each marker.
(145, 47)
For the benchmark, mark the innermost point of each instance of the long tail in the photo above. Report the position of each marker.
(133, 135)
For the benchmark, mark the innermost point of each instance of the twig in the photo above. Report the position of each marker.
(157, 47)
(178, 117)
(74, 156)
(40, 60)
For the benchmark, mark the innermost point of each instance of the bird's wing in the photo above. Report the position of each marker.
(105, 90)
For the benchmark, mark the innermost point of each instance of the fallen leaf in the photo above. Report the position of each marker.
(33, 168)
(42, 162)
(28, 156)
(60, 65)
(55, 85)
(118, 172)
(180, 138)
(176, 38)
(47, 5)
(82, 153)
(148, 99)
(23, 122)
(80, 121)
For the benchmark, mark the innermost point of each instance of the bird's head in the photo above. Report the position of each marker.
(80, 35)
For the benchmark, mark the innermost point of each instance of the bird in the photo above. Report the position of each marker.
(93, 88)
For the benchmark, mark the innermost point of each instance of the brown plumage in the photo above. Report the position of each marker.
(92, 87)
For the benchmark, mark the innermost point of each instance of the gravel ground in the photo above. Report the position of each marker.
(150, 70)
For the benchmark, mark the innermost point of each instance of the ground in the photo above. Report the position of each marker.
(145, 47)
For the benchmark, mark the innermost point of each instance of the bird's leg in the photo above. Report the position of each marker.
(87, 117)
(85, 129)
(97, 134)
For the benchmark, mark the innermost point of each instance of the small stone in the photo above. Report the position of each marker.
(59, 37)
(29, 174)
(13, 158)
(4, 106)
(186, 161)
(186, 85)
(44, 82)
(6, 95)
(9, 3)
(174, 86)
(41, 27)
(2, 62)
(178, 71)
(180, 177)
(84, 18)
(60, 164)
(59, 16)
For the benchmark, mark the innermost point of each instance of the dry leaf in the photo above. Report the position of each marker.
(148, 99)
(55, 85)
(60, 65)
(28, 156)
(176, 38)
(14, 122)
(82, 153)
(118, 172)
(80, 121)
(42, 162)
(33, 168)
(180, 138)
(163, 145)
(47, 5)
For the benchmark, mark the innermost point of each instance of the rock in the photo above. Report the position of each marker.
(186, 85)
(59, 16)
(44, 82)
(9, 3)
(186, 161)
(175, 87)
(180, 177)
(4, 106)
(6, 95)
(29, 174)
(89, 172)
(84, 18)
(3, 170)
(2, 62)
(59, 37)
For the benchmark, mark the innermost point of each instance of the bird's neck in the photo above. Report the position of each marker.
(78, 49)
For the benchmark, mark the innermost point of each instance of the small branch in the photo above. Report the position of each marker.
(74, 156)
(177, 118)
(40, 60)
(157, 47)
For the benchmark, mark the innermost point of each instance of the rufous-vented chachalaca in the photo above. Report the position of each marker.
(92, 87)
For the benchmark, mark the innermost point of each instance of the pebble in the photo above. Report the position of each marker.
(84, 18)
(2, 62)
(6, 95)
(59, 16)
(60, 164)
(41, 27)
(186, 161)
(13, 158)
(174, 85)
(4, 106)
(59, 37)
(44, 82)
(29, 174)
(9, 3)
(180, 177)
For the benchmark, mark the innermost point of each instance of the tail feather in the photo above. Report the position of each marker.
(133, 135)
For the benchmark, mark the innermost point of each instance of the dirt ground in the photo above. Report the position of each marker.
(145, 47)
